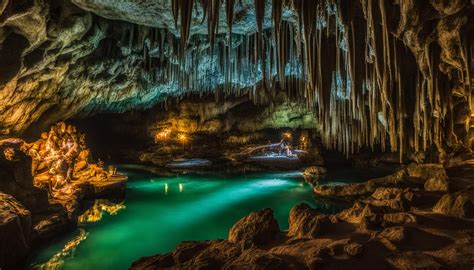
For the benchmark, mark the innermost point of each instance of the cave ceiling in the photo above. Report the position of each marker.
(390, 73)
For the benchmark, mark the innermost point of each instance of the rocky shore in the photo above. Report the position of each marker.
(30, 214)
(420, 217)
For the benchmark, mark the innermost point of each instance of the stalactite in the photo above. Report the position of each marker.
(259, 16)
(213, 21)
(175, 9)
(348, 68)
(185, 10)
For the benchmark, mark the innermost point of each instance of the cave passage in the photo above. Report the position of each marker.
(305, 134)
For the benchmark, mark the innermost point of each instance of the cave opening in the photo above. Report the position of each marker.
(306, 134)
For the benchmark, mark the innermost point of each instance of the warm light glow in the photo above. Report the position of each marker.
(180, 187)
(162, 135)
(95, 213)
(166, 188)
(287, 135)
(183, 138)
(9, 153)
(58, 260)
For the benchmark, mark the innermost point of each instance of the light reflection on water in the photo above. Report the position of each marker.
(159, 213)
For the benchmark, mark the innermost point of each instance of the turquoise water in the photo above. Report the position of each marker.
(159, 213)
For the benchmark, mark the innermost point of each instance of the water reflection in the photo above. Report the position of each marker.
(57, 261)
(96, 212)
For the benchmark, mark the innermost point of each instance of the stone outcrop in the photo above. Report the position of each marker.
(306, 222)
(258, 228)
(73, 58)
(431, 177)
(314, 174)
(15, 232)
(459, 204)
(35, 212)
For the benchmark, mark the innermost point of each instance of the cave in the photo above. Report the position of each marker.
(224, 134)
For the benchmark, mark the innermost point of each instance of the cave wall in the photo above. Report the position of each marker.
(233, 122)
(390, 73)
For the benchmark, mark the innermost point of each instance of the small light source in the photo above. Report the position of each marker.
(166, 188)
(183, 138)
(180, 187)
(162, 135)
(287, 135)
(9, 153)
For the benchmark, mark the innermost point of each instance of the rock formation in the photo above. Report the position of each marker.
(37, 200)
(62, 60)
(360, 76)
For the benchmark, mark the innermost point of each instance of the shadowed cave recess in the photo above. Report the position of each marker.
(364, 106)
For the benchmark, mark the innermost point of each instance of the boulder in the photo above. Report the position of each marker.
(306, 222)
(187, 250)
(349, 190)
(426, 170)
(415, 261)
(257, 228)
(313, 174)
(217, 254)
(192, 255)
(460, 204)
(15, 230)
(400, 218)
(258, 259)
(393, 198)
(315, 170)
(437, 184)
(353, 249)
(392, 238)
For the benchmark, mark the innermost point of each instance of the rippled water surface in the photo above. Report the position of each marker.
(158, 213)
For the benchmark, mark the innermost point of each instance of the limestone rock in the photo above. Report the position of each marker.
(257, 228)
(258, 259)
(315, 171)
(353, 249)
(427, 171)
(459, 204)
(15, 229)
(414, 262)
(394, 198)
(437, 184)
(400, 218)
(187, 250)
(306, 222)
(393, 237)
(349, 190)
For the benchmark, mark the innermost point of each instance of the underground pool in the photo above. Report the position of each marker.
(158, 213)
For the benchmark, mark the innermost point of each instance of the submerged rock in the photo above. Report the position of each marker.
(183, 164)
